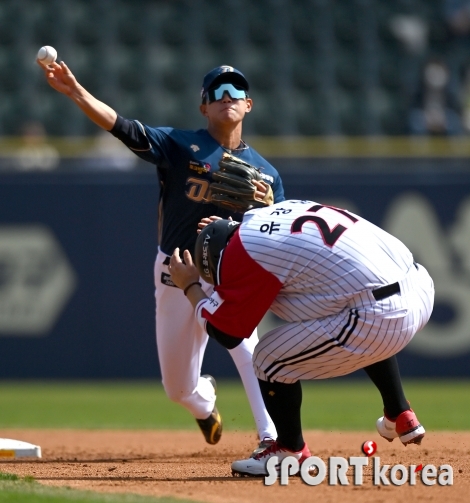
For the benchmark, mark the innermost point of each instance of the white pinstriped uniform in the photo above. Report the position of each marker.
(328, 262)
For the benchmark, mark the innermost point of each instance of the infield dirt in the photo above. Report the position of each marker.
(180, 464)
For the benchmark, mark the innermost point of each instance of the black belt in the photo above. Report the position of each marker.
(167, 261)
(386, 291)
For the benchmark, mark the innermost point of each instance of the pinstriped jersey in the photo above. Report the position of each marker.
(303, 260)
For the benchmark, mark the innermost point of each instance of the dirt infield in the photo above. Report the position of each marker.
(179, 464)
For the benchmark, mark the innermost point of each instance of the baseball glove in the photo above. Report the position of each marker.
(233, 187)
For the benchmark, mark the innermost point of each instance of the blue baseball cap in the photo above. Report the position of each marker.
(221, 75)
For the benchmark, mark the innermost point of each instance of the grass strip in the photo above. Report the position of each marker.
(335, 404)
(14, 489)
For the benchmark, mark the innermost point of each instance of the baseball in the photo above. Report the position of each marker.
(47, 55)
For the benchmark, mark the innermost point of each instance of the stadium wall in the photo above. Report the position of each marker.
(77, 251)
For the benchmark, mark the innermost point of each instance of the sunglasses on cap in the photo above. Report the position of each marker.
(235, 92)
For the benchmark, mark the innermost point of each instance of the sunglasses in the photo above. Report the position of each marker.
(235, 92)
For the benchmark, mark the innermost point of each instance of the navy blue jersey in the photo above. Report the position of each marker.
(185, 162)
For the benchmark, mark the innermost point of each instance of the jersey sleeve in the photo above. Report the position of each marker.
(131, 133)
(146, 142)
(244, 293)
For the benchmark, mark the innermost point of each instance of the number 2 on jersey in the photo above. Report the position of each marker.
(329, 236)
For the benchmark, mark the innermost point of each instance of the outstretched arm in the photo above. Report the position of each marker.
(61, 79)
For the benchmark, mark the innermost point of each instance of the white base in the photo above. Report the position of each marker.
(11, 449)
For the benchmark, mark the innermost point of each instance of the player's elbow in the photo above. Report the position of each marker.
(227, 341)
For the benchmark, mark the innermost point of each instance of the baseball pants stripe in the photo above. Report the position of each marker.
(367, 332)
(316, 351)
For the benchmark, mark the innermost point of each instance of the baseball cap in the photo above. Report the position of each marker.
(223, 74)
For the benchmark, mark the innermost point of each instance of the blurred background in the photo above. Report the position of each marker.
(364, 104)
(316, 67)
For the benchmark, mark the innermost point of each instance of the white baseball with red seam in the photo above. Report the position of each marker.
(47, 55)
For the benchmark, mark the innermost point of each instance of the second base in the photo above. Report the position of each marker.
(11, 449)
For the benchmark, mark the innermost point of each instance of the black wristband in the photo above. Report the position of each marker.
(185, 291)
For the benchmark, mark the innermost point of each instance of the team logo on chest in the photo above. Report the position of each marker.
(199, 166)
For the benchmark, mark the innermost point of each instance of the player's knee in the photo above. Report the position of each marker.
(175, 394)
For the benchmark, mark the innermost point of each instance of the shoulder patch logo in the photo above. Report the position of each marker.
(194, 148)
